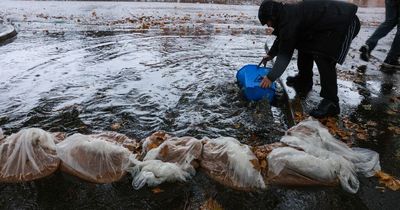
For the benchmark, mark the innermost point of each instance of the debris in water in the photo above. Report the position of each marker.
(116, 126)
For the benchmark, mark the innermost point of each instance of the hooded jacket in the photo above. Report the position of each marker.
(313, 26)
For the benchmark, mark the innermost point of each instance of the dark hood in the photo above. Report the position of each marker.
(269, 10)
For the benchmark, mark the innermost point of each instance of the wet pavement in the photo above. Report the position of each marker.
(141, 67)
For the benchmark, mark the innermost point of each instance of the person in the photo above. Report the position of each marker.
(391, 20)
(321, 31)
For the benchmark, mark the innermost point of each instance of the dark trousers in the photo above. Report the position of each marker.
(327, 71)
(392, 19)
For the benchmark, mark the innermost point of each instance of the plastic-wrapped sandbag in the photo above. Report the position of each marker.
(167, 159)
(261, 152)
(230, 163)
(323, 157)
(153, 141)
(155, 172)
(184, 151)
(93, 158)
(302, 167)
(131, 144)
(1, 134)
(366, 161)
(27, 155)
(59, 136)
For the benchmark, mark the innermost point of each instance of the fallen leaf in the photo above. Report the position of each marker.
(388, 180)
(152, 146)
(264, 164)
(256, 164)
(361, 136)
(164, 151)
(157, 190)
(394, 129)
(116, 126)
(211, 204)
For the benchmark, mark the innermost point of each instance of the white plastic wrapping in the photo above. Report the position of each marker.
(1, 134)
(93, 158)
(153, 141)
(323, 158)
(155, 172)
(119, 138)
(183, 151)
(167, 159)
(27, 155)
(231, 163)
(321, 169)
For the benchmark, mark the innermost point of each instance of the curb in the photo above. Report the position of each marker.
(7, 32)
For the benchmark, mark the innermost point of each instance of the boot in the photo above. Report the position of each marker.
(300, 85)
(365, 53)
(391, 64)
(326, 108)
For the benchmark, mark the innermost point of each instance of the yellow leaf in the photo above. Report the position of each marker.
(211, 204)
(157, 190)
(388, 180)
(116, 126)
(256, 164)
(361, 136)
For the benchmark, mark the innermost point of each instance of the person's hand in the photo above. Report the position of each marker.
(265, 83)
(264, 60)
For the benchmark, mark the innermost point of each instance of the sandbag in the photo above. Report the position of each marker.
(153, 141)
(366, 161)
(231, 163)
(290, 161)
(155, 172)
(131, 144)
(93, 158)
(321, 157)
(59, 136)
(184, 151)
(1, 134)
(167, 159)
(27, 155)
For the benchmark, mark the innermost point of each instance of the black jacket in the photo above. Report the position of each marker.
(314, 26)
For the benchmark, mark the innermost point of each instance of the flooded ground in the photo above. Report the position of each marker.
(138, 68)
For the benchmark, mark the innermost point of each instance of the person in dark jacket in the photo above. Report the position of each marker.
(392, 19)
(321, 31)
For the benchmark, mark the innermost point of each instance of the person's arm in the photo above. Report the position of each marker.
(281, 63)
(286, 45)
(273, 51)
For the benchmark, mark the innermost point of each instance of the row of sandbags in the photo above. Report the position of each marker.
(306, 155)
(34, 153)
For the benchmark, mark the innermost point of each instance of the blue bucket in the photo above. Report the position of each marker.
(249, 78)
